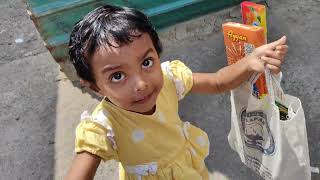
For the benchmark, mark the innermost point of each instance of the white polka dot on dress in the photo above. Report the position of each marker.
(137, 135)
(161, 117)
(201, 141)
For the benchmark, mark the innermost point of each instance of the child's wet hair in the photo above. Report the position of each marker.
(107, 26)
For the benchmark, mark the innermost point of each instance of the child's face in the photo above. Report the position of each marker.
(129, 76)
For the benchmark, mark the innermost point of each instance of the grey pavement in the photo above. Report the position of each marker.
(40, 107)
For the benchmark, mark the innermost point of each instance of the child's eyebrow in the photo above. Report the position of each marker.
(110, 67)
(146, 53)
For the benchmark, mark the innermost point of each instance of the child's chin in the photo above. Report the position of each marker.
(148, 106)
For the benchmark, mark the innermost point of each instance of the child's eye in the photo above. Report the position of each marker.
(117, 76)
(147, 63)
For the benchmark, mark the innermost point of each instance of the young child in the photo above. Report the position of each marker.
(116, 53)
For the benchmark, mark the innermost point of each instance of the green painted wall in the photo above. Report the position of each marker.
(54, 19)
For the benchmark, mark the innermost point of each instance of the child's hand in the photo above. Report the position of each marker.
(270, 55)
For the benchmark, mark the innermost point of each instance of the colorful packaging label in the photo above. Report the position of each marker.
(254, 14)
(240, 40)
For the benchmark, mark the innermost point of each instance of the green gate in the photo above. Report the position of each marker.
(54, 19)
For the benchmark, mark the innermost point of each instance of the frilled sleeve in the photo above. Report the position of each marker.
(94, 135)
(181, 75)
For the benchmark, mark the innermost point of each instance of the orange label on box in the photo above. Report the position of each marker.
(240, 40)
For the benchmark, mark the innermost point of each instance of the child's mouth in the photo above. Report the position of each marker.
(144, 99)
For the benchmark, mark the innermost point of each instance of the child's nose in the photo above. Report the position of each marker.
(140, 84)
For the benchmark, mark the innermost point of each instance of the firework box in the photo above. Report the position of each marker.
(240, 40)
(254, 14)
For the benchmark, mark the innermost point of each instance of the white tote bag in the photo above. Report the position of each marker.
(273, 148)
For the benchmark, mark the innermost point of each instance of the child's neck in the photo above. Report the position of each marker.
(149, 112)
(144, 113)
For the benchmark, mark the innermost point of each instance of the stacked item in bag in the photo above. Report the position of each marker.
(268, 128)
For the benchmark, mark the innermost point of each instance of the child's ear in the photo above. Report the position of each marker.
(90, 85)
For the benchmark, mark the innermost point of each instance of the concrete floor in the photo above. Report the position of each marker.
(40, 107)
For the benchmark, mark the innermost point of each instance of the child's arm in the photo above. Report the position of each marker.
(230, 77)
(84, 167)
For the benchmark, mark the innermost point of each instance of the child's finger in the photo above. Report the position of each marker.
(281, 54)
(273, 54)
(271, 61)
(274, 44)
(282, 47)
(273, 69)
(282, 50)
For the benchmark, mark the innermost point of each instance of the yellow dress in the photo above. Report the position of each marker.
(158, 146)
